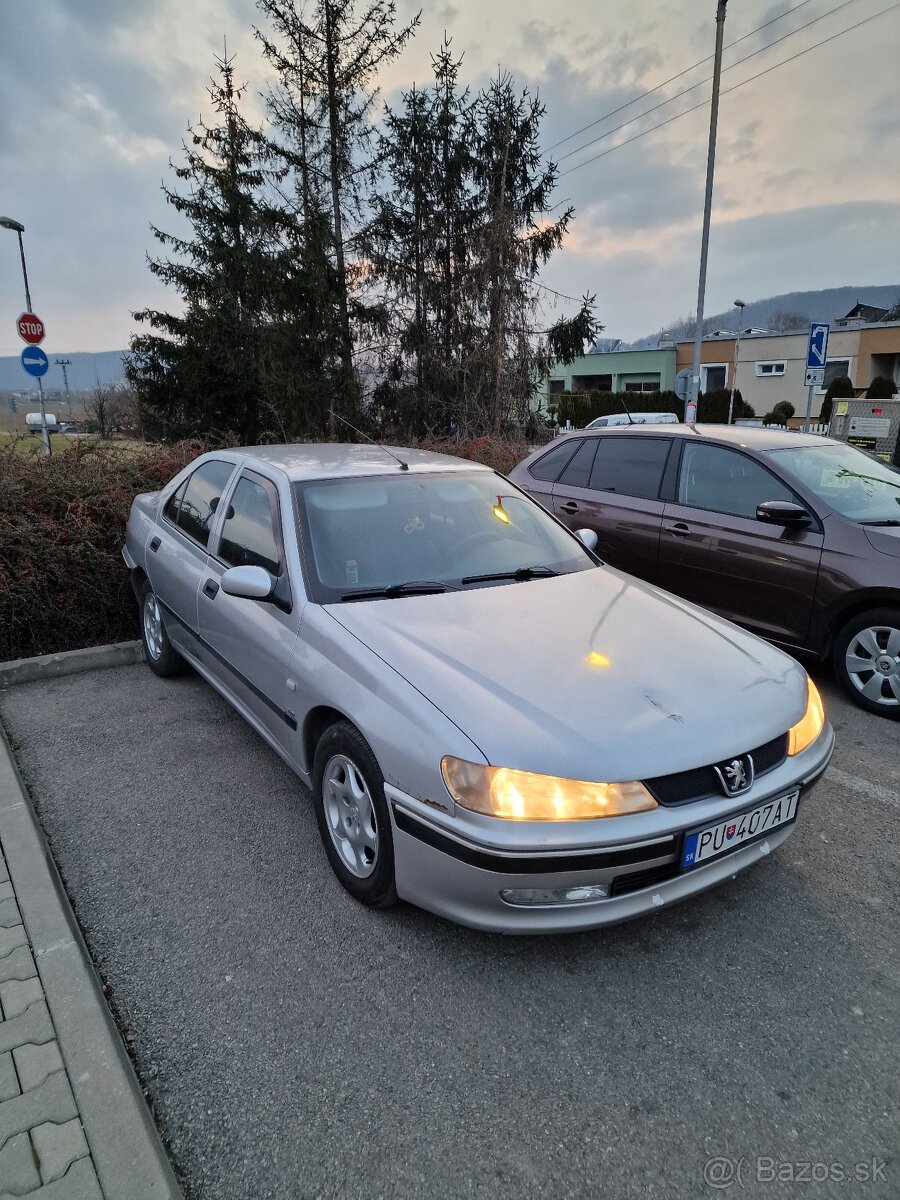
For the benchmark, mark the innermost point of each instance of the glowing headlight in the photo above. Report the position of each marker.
(810, 725)
(521, 796)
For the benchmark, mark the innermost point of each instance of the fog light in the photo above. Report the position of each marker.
(540, 897)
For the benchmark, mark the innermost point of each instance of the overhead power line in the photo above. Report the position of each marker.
(647, 111)
(704, 103)
(615, 112)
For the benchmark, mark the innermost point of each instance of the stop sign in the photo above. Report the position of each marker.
(30, 328)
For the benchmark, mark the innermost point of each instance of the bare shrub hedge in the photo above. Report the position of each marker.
(63, 583)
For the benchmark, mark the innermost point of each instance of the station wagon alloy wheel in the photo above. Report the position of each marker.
(350, 814)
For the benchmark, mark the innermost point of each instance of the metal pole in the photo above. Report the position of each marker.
(809, 400)
(45, 436)
(737, 355)
(690, 414)
(24, 270)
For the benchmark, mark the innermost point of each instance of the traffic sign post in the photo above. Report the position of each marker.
(35, 362)
(30, 328)
(816, 357)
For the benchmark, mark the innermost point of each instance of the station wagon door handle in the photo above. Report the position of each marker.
(210, 588)
(154, 544)
(680, 529)
(571, 507)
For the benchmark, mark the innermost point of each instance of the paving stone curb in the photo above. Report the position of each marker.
(70, 662)
(122, 1141)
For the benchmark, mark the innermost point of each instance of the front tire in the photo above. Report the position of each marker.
(162, 658)
(352, 814)
(866, 660)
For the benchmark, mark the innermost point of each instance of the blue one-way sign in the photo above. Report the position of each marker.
(817, 349)
(35, 361)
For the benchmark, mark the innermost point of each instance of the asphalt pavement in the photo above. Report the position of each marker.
(294, 1044)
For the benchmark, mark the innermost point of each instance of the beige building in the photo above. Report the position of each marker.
(772, 367)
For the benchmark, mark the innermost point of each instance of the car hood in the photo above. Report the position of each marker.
(593, 675)
(885, 538)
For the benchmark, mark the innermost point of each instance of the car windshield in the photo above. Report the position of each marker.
(418, 532)
(854, 484)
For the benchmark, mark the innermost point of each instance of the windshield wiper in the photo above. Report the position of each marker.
(423, 588)
(889, 521)
(520, 575)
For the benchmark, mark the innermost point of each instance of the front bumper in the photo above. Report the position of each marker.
(444, 866)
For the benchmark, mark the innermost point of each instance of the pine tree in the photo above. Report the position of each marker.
(200, 372)
(327, 56)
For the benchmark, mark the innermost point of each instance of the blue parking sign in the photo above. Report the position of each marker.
(817, 349)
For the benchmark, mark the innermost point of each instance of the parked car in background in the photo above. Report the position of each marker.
(638, 418)
(795, 537)
(380, 618)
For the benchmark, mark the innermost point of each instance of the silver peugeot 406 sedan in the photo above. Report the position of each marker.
(494, 725)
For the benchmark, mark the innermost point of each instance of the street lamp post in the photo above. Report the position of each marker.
(19, 229)
(690, 414)
(739, 304)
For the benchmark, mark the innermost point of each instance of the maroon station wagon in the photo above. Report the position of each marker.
(793, 536)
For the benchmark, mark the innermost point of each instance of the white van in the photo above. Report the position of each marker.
(638, 418)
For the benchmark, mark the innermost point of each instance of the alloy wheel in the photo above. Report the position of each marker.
(350, 815)
(873, 664)
(153, 627)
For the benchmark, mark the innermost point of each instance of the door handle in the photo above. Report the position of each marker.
(570, 507)
(210, 588)
(154, 544)
(679, 529)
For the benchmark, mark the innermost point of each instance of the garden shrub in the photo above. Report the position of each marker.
(63, 584)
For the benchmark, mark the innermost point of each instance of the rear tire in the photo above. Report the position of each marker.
(352, 814)
(866, 659)
(162, 658)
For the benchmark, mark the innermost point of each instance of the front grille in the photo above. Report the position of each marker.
(701, 782)
(622, 884)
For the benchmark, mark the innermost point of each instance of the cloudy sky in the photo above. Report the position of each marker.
(95, 96)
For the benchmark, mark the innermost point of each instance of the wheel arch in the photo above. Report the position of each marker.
(876, 598)
(317, 720)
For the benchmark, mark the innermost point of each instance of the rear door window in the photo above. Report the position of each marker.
(193, 507)
(630, 466)
(578, 472)
(549, 465)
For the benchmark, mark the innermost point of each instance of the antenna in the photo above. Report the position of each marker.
(403, 466)
(631, 420)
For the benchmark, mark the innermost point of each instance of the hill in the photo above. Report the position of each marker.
(823, 305)
(84, 372)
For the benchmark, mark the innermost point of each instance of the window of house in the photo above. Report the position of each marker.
(248, 535)
(835, 368)
(630, 466)
(193, 507)
(713, 376)
(765, 369)
(592, 383)
(557, 387)
(578, 472)
(642, 385)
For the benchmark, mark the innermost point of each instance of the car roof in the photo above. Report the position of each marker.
(328, 460)
(749, 437)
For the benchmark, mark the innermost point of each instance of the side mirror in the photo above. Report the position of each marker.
(782, 512)
(251, 583)
(587, 537)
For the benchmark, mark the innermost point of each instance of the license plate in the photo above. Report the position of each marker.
(704, 844)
